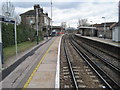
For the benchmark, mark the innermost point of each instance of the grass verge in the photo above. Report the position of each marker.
(10, 51)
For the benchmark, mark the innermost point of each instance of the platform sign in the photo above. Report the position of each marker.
(7, 20)
(11, 21)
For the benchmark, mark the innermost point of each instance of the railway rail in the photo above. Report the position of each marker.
(100, 56)
(75, 73)
(105, 76)
(111, 56)
(70, 67)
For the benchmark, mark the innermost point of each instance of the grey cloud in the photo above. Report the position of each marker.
(66, 5)
(30, 4)
(59, 5)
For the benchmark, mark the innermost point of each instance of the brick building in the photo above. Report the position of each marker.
(29, 18)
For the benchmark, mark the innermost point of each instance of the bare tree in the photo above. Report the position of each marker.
(83, 22)
(63, 25)
(8, 9)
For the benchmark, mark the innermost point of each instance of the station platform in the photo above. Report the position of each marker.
(38, 70)
(102, 40)
(14, 58)
(44, 74)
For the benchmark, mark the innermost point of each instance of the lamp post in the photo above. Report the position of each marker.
(104, 26)
(51, 15)
(92, 28)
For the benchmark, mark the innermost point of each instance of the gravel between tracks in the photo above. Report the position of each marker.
(113, 75)
(86, 78)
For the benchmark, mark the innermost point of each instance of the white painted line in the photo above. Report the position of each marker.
(57, 78)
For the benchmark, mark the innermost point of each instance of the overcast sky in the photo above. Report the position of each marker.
(71, 11)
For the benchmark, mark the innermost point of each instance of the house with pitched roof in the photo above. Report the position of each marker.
(29, 19)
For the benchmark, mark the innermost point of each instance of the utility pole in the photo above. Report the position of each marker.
(51, 15)
(119, 13)
(47, 26)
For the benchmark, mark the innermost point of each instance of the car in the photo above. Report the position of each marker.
(100, 36)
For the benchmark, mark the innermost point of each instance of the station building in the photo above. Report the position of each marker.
(29, 19)
(97, 30)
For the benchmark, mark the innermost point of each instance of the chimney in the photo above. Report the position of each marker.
(36, 6)
(41, 10)
(46, 14)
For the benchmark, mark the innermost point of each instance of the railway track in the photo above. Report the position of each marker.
(75, 73)
(110, 57)
(70, 67)
(99, 65)
(106, 60)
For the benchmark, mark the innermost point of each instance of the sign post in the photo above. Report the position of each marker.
(15, 38)
(7, 20)
(0, 47)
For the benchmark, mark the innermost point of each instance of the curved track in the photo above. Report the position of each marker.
(97, 65)
(75, 73)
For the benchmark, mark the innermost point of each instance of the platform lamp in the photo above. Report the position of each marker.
(92, 28)
(104, 26)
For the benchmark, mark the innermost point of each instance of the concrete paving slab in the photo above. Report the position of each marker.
(47, 67)
(107, 41)
(44, 77)
(18, 77)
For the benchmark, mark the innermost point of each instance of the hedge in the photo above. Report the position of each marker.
(23, 34)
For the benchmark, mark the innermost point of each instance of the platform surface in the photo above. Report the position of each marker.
(44, 77)
(46, 57)
(107, 41)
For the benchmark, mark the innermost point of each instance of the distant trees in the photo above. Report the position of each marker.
(83, 22)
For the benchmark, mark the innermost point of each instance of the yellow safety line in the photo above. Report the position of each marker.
(31, 76)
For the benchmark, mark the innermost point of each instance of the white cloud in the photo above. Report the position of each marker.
(22, 10)
(63, 0)
(93, 12)
(69, 12)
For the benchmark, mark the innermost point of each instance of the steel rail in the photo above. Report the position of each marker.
(103, 59)
(70, 66)
(105, 77)
(115, 57)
